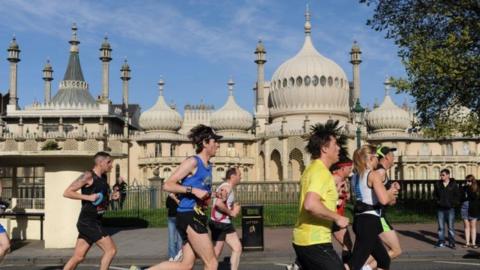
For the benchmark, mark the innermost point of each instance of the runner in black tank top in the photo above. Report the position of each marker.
(94, 196)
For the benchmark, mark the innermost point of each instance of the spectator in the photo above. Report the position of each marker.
(174, 238)
(470, 211)
(115, 197)
(447, 196)
(123, 190)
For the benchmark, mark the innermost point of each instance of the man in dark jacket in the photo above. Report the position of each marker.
(447, 197)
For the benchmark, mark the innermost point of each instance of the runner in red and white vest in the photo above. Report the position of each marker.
(224, 208)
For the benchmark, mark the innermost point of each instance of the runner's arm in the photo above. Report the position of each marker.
(313, 204)
(185, 168)
(82, 180)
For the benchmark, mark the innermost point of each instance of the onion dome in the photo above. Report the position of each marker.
(231, 117)
(309, 83)
(388, 117)
(161, 117)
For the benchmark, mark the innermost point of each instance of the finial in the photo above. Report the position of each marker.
(230, 86)
(308, 26)
(161, 83)
(387, 84)
(74, 41)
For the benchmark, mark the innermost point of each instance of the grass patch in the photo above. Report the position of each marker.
(275, 215)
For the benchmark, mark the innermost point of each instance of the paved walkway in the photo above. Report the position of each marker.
(148, 246)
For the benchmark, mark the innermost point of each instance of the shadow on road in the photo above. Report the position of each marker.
(420, 236)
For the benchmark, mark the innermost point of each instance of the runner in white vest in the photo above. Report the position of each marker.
(223, 209)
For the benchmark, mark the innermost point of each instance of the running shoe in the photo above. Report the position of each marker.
(134, 267)
(293, 266)
(439, 245)
(179, 256)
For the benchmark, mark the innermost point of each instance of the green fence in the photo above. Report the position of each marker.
(145, 206)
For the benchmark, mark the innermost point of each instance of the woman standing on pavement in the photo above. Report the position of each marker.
(470, 211)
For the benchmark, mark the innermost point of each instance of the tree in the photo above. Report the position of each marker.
(439, 44)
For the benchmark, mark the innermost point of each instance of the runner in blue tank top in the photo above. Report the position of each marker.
(4, 241)
(195, 175)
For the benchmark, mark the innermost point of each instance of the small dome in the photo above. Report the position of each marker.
(161, 117)
(388, 116)
(105, 44)
(48, 66)
(231, 116)
(13, 44)
(309, 82)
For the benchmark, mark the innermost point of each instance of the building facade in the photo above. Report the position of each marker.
(267, 144)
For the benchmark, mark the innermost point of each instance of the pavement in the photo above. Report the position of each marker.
(148, 246)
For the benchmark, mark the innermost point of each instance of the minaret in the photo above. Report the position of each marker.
(48, 78)
(355, 61)
(125, 76)
(260, 104)
(13, 58)
(230, 84)
(105, 57)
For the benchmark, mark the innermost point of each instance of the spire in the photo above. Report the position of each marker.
(161, 83)
(105, 50)
(74, 69)
(387, 84)
(125, 71)
(13, 51)
(74, 41)
(47, 71)
(230, 87)
(308, 26)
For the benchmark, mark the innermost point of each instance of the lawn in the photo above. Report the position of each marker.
(274, 215)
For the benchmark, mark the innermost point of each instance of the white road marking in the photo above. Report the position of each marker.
(459, 263)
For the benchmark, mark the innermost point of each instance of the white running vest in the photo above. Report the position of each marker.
(364, 193)
(217, 215)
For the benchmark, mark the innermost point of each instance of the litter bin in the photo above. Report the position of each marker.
(252, 227)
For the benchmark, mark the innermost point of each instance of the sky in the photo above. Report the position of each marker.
(196, 46)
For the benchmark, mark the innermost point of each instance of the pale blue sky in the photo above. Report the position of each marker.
(195, 45)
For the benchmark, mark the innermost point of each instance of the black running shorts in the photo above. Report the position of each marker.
(197, 222)
(90, 229)
(220, 230)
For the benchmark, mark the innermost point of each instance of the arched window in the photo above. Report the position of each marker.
(330, 81)
(424, 150)
(423, 173)
(466, 149)
(158, 149)
(172, 149)
(462, 171)
(411, 173)
(307, 80)
(299, 81)
(323, 80)
(436, 173)
(245, 174)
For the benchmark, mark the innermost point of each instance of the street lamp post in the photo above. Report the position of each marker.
(359, 113)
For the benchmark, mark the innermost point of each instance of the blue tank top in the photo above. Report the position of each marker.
(202, 179)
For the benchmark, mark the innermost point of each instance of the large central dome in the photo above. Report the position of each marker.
(309, 83)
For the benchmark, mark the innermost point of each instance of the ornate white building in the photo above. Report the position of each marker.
(267, 145)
